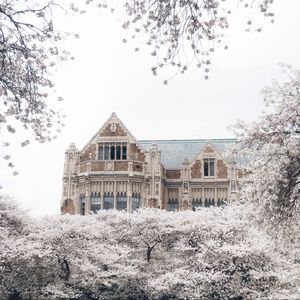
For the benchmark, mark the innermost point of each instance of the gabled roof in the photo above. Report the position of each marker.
(113, 118)
(173, 152)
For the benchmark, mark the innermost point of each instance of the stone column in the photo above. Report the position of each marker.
(216, 196)
(129, 196)
(115, 194)
(101, 195)
(87, 198)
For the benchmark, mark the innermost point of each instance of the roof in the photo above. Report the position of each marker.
(173, 152)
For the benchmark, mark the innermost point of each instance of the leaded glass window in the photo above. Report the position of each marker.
(121, 201)
(135, 201)
(209, 167)
(95, 202)
(108, 201)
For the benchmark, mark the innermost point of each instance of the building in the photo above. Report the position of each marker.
(114, 170)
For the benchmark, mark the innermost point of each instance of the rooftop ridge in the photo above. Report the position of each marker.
(188, 140)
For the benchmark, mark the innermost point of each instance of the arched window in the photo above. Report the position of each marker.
(172, 205)
(100, 153)
(112, 152)
(121, 201)
(95, 202)
(108, 201)
(106, 152)
(205, 168)
(124, 152)
(118, 152)
(135, 201)
(209, 167)
(82, 204)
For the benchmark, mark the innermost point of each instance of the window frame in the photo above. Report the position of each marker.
(112, 151)
(209, 167)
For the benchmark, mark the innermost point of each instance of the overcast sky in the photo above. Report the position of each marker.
(108, 76)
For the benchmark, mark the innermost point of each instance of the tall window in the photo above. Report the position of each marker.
(121, 201)
(124, 152)
(118, 152)
(135, 201)
(112, 151)
(108, 201)
(209, 167)
(82, 204)
(106, 152)
(100, 153)
(172, 205)
(95, 202)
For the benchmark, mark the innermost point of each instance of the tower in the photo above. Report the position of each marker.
(69, 179)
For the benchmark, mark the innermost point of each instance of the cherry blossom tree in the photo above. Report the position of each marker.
(29, 51)
(213, 253)
(181, 33)
(272, 145)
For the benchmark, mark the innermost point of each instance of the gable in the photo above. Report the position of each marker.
(113, 132)
(173, 152)
(209, 153)
(112, 129)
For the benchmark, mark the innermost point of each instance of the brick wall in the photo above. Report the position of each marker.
(86, 154)
(107, 131)
(98, 166)
(83, 167)
(137, 167)
(68, 207)
(173, 174)
(121, 166)
(135, 153)
(196, 169)
(222, 170)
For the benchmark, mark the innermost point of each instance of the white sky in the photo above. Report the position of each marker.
(108, 76)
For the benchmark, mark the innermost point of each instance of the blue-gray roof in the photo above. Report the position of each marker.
(173, 152)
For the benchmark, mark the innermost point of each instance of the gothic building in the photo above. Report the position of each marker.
(115, 171)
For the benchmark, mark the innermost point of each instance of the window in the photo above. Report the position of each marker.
(108, 201)
(95, 202)
(100, 152)
(82, 204)
(112, 151)
(121, 201)
(196, 203)
(209, 167)
(118, 154)
(124, 152)
(221, 202)
(209, 202)
(135, 201)
(106, 152)
(172, 205)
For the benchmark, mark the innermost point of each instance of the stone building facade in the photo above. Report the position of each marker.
(115, 171)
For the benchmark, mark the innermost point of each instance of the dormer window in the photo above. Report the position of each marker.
(209, 167)
(112, 151)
